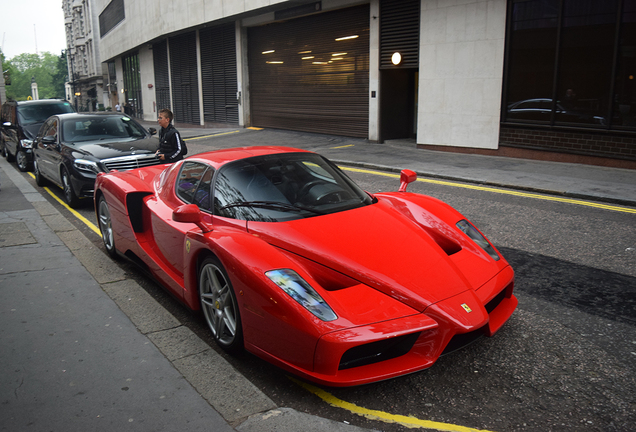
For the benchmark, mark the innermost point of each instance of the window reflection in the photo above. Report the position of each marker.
(561, 63)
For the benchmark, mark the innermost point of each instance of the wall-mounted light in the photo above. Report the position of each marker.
(274, 62)
(347, 37)
(396, 58)
(268, 52)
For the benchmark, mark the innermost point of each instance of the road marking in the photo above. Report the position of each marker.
(209, 136)
(407, 421)
(502, 191)
(73, 212)
(344, 146)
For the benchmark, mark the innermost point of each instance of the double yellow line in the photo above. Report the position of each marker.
(503, 192)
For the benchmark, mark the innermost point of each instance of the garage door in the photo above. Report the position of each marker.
(312, 73)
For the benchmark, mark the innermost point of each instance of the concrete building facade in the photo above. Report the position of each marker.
(444, 73)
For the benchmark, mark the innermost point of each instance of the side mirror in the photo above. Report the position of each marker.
(406, 177)
(48, 139)
(152, 131)
(189, 213)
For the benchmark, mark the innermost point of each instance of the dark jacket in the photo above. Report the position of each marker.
(170, 144)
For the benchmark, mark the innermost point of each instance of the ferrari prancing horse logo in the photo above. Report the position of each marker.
(467, 308)
(188, 246)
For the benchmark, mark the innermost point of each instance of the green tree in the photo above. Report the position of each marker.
(46, 68)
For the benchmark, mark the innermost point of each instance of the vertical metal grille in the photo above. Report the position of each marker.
(183, 68)
(218, 74)
(162, 81)
(132, 86)
(400, 32)
(312, 74)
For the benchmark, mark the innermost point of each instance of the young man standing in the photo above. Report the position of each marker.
(171, 148)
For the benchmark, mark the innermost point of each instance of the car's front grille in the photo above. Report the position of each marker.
(124, 163)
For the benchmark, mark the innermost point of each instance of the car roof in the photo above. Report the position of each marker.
(217, 158)
(42, 102)
(85, 115)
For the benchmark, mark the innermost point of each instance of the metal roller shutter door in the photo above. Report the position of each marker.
(303, 78)
(218, 74)
(185, 85)
(162, 82)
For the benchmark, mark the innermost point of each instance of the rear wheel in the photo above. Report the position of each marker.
(69, 194)
(219, 305)
(106, 227)
(7, 155)
(22, 161)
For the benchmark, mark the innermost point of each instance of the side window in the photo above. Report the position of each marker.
(193, 184)
(49, 128)
(52, 131)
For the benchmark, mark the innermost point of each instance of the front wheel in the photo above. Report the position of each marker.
(219, 305)
(106, 227)
(22, 161)
(69, 194)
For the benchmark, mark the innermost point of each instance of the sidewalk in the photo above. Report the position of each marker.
(85, 349)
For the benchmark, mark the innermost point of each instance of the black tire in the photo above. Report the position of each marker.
(22, 161)
(7, 155)
(39, 179)
(105, 226)
(69, 194)
(219, 305)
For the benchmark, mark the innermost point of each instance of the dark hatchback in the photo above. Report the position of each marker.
(21, 122)
(70, 149)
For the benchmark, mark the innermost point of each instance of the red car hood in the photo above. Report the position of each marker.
(377, 246)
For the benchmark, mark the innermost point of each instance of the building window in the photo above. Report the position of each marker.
(571, 63)
(112, 15)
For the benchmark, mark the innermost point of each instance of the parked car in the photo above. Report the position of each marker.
(20, 124)
(540, 109)
(70, 149)
(288, 258)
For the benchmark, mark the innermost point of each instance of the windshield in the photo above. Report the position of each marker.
(101, 128)
(38, 113)
(284, 187)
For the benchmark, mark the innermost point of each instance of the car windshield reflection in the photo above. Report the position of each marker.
(98, 129)
(284, 187)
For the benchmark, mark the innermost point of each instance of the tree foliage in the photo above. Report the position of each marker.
(48, 70)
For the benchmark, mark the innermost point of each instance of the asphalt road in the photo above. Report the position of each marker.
(565, 361)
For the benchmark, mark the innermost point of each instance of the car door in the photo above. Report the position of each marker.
(47, 150)
(192, 187)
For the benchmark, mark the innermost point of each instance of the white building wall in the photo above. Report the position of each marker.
(146, 77)
(147, 20)
(461, 72)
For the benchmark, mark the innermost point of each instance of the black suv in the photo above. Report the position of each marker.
(19, 124)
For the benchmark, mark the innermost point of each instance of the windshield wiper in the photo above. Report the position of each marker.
(273, 205)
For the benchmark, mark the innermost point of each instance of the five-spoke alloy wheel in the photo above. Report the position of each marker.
(219, 305)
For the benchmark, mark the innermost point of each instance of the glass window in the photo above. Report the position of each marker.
(585, 61)
(532, 55)
(284, 187)
(571, 63)
(188, 182)
(625, 79)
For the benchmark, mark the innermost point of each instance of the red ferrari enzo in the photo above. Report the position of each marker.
(291, 260)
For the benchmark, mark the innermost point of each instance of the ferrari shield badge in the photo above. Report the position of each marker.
(467, 308)
(188, 246)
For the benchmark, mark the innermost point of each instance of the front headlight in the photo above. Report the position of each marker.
(468, 229)
(26, 143)
(290, 282)
(86, 165)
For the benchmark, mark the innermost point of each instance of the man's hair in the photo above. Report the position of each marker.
(166, 112)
